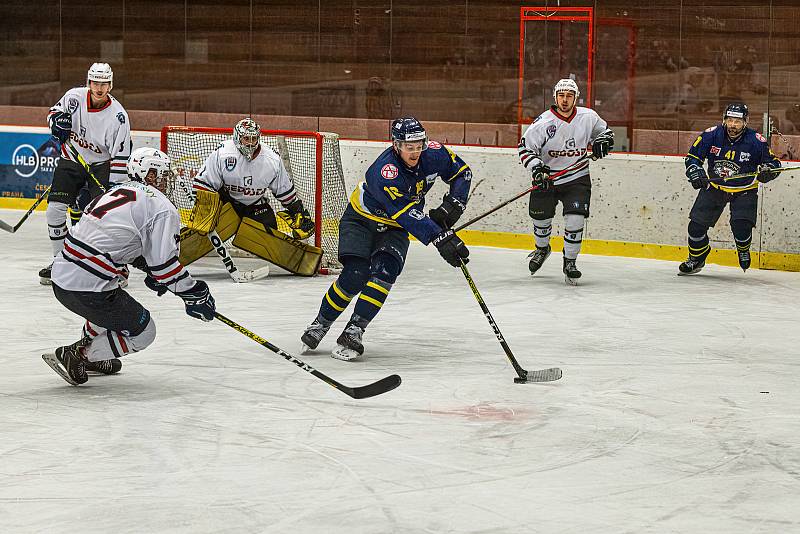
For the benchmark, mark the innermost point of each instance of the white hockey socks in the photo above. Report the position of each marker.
(107, 344)
(542, 228)
(56, 215)
(573, 235)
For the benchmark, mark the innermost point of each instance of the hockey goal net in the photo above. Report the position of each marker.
(312, 160)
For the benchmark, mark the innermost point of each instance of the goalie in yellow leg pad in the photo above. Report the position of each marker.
(196, 244)
(278, 248)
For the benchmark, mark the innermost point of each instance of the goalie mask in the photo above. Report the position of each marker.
(152, 167)
(735, 119)
(100, 72)
(247, 137)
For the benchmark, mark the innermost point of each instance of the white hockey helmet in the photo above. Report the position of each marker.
(100, 72)
(566, 84)
(152, 167)
(247, 137)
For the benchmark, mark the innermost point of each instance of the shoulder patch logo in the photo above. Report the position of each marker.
(121, 117)
(389, 172)
(72, 104)
(761, 137)
(230, 163)
(551, 131)
(434, 144)
(714, 150)
(710, 129)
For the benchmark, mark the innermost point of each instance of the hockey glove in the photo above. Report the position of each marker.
(451, 248)
(298, 219)
(61, 125)
(766, 174)
(448, 213)
(697, 177)
(155, 285)
(603, 144)
(199, 302)
(541, 178)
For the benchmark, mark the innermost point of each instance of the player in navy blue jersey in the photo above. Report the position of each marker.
(730, 148)
(374, 230)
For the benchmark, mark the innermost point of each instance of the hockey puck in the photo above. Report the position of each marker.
(520, 380)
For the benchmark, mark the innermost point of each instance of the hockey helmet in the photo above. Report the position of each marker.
(100, 72)
(407, 129)
(247, 137)
(153, 167)
(566, 84)
(736, 110)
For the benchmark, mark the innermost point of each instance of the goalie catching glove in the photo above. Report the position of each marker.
(298, 219)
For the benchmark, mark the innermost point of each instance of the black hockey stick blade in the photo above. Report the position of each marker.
(542, 375)
(12, 229)
(361, 392)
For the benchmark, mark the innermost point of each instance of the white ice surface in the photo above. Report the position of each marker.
(677, 412)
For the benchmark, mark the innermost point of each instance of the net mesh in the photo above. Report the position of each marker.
(189, 147)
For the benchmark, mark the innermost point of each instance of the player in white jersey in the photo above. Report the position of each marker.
(554, 149)
(97, 126)
(243, 169)
(132, 223)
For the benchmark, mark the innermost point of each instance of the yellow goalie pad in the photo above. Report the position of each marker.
(195, 244)
(204, 215)
(278, 248)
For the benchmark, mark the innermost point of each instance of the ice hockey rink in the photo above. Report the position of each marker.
(677, 411)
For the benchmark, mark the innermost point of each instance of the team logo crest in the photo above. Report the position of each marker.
(711, 129)
(715, 150)
(230, 163)
(434, 145)
(551, 130)
(248, 180)
(72, 104)
(121, 117)
(744, 156)
(570, 143)
(389, 172)
(724, 168)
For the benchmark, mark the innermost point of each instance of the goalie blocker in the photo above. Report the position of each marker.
(252, 236)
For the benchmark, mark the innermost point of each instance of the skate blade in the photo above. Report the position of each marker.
(344, 353)
(305, 349)
(51, 360)
(45, 281)
(570, 281)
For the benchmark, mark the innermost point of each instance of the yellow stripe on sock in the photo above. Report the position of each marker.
(333, 304)
(378, 287)
(371, 301)
(340, 293)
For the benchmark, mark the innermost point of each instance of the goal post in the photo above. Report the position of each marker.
(312, 160)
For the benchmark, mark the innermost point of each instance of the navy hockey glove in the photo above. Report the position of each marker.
(766, 174)
(61, 125)
(155, 285)
(541, 178)
(199, 302)
(451, 248)
(448, 213)
(697, 177)
(603, 144)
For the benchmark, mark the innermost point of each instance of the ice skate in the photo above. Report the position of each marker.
(44, 275)
(349, 346)
(571, 272)
(744, 259)
(691, 266)
(537, 258)
(105, 367)
(313, 335)
(69, 362)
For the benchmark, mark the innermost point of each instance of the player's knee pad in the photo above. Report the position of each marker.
(385, 267)
(110, 344)
(56, 213)
(696, 230)
(742, 229)
(355, 272)
(573, 225)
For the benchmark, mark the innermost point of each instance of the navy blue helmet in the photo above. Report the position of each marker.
(407, 129)
(736, 110)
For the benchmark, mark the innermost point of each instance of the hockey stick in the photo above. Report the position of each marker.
(227, 260)
(751, 174)
(542, 375)
(8, 228)
(520, 195)
(361, 392)
(86, 166)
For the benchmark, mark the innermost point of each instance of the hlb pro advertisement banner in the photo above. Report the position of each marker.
(27, 162)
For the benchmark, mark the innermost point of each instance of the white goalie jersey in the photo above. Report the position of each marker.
(128, 221)
(561, 143)
(98, 135)
(246, 181)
